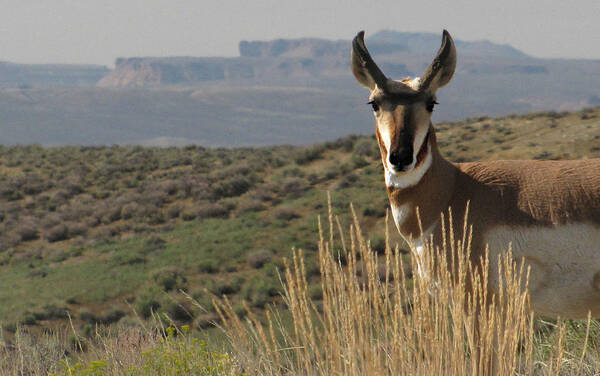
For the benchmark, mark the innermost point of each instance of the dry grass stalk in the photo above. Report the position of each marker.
(443, 322)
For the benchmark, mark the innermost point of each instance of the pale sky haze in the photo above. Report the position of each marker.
(99, 31)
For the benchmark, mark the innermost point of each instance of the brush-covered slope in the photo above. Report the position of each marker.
(97, 231)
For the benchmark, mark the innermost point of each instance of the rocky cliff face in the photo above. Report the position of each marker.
(138, 72)
(302, 48)
(304, 62)
(281, 61)
(184, 71)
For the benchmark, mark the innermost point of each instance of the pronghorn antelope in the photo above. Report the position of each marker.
(549, 211)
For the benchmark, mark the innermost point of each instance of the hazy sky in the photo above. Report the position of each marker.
(98, 31)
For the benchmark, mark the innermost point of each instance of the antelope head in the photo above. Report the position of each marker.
(402, 110)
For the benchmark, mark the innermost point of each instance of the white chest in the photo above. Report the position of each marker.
(400, 213)
(564, 262)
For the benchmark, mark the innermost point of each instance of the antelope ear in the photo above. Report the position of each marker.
(441, 69)
(366, 72)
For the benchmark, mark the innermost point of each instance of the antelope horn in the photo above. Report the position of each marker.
(368, 73)
(361, 55)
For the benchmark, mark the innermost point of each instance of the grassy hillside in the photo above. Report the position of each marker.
(96, 231)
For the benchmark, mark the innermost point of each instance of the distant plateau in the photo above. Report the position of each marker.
(283, 91)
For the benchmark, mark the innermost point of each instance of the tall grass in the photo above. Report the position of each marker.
(443, 322)
(377, 321)
(132, 351)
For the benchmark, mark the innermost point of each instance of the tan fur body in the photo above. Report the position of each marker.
(549, 211)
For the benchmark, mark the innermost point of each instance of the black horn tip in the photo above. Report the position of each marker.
(446, 35)
(359, 39)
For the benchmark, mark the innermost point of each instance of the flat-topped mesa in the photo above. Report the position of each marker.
(149, 71)
(305, 47)
(302, 61)
(548, 211)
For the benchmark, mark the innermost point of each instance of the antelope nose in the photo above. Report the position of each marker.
(401, 158)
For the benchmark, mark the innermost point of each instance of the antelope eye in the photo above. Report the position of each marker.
(430, 105)
(374, 105)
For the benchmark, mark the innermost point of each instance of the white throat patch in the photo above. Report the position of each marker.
(417, 245)
(409, 178)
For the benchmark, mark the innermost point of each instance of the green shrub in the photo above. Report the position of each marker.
(206, 320)
(28, 318)
(52, 311)
(147, 302)
(170, 278)
(366, 147)
(345, 143)
(128, 211)
(41, 272)
(188, 215)
(76, 228)
(27, 230)
(231, 187)
(184, 355)
(208, 266)
(309, 154)
(257, 259)
(105, 232)
(152, 244)
(347, 181)
(293, 187)
(249, 206)
(57, 233)
(313, 178)
(48, 312)
(258, 289)
(179, 310)
(378, 245)
(211, 210)
(293, 171)
(286, 214)
(88, 317)
(51, 220)
(174, 210)
(358, 161)
(111, 215)
(373, 211)
(331, 173)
